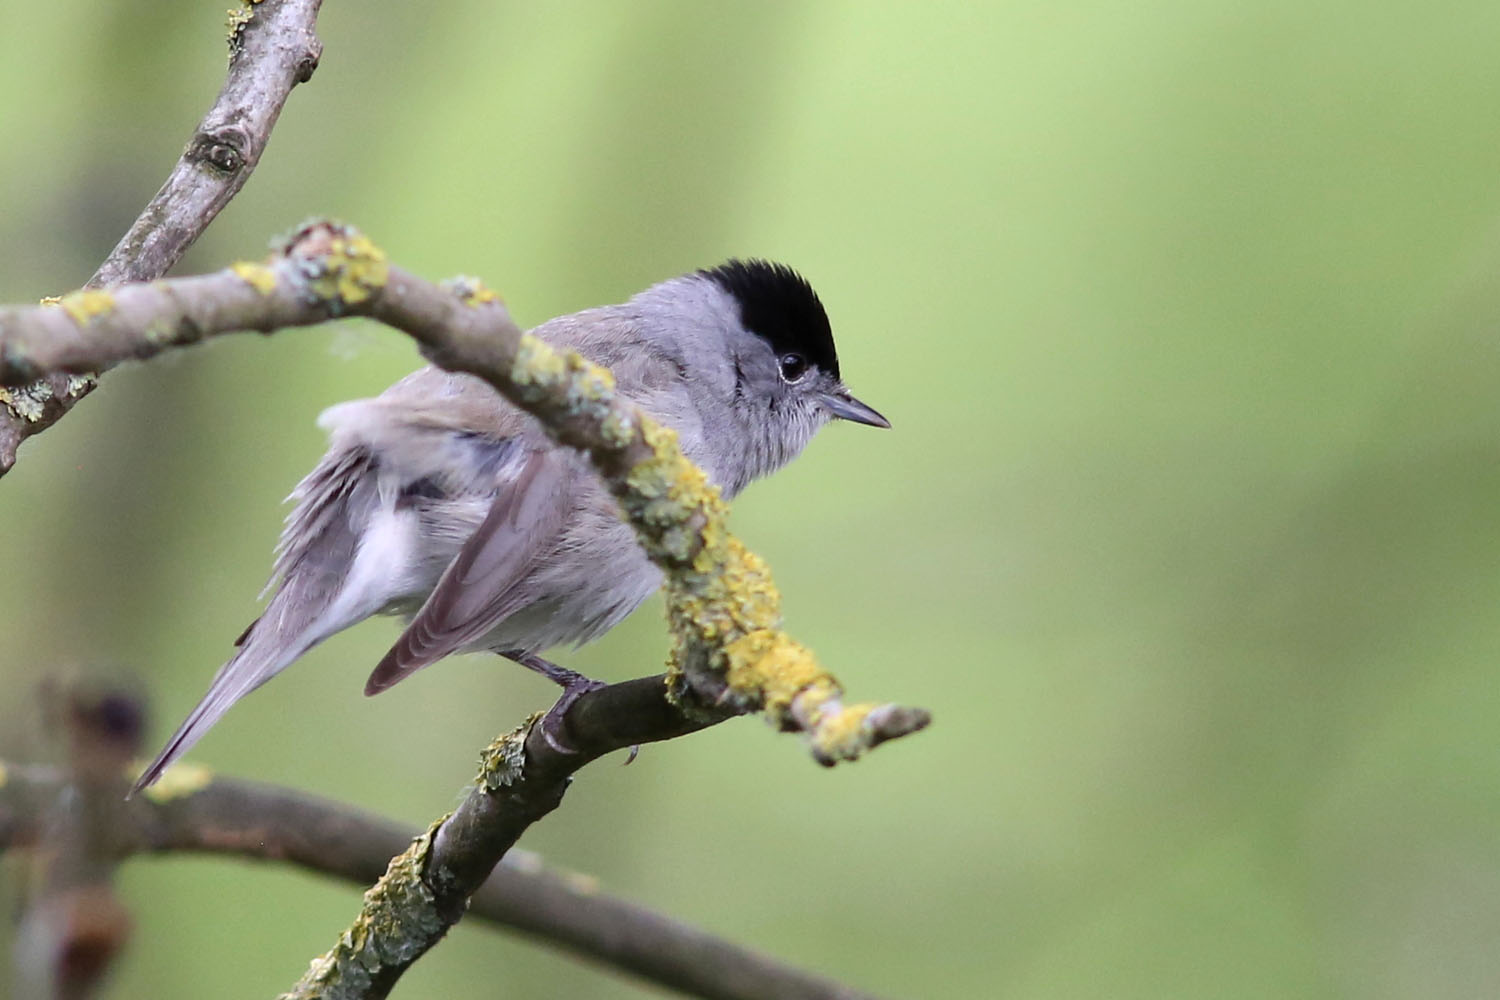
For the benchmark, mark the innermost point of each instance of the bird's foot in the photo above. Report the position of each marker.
(574, 685)
(552, 722)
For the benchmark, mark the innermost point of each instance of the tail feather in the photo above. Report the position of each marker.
(314, 560)
(247, 670)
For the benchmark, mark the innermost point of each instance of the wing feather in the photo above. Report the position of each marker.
(483, 585)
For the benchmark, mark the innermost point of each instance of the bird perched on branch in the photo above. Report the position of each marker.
(440, 501)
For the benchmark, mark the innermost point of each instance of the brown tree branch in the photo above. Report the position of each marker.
(522, 778)
(198, 813)
(272, 48)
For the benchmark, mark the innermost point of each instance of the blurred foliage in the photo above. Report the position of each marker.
(1184, 313)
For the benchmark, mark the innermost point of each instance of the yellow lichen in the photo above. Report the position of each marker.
(178, 781)
(771, 668)
(238, 19)
(49, 300)
(484, 296)
(724, 610)
(4, 775)
(595, 382)
(359, 266)
(840, 735)
(536, 363)
(472, 292)
(84, 305)
(343, 266)
(538, 372)
(666, 491)
(257, 276)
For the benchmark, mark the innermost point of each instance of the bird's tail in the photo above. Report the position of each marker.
(254, 664)
(334, 503)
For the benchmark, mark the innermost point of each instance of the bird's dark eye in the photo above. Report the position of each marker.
(793, 367)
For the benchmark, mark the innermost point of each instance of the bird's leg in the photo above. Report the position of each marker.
(574, 686)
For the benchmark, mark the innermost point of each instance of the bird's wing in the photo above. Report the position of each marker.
(484, 583)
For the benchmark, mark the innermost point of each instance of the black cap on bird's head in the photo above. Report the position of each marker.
(778, 305)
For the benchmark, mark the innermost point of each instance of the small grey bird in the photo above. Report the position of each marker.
(441, 502)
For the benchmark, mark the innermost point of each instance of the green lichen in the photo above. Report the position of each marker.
(29, 402)
(502, 762)
(397, 922)
(84, 305)
(664, 491)
(257, 276)
(590, 383)
(617, 429)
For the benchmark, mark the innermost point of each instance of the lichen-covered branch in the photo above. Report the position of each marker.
(194, 811)
(730, 655)
(272, 48)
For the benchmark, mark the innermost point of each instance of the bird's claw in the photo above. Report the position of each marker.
(574, 685)
(552, 723)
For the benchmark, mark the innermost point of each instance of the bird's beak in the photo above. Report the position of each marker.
(846, 407)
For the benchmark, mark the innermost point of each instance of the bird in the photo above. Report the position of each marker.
(440, 502)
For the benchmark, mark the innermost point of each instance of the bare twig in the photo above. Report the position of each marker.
(199, 813)
(730, 654)
(272, 48)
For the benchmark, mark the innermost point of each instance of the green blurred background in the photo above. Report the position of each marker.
(1185, 314)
